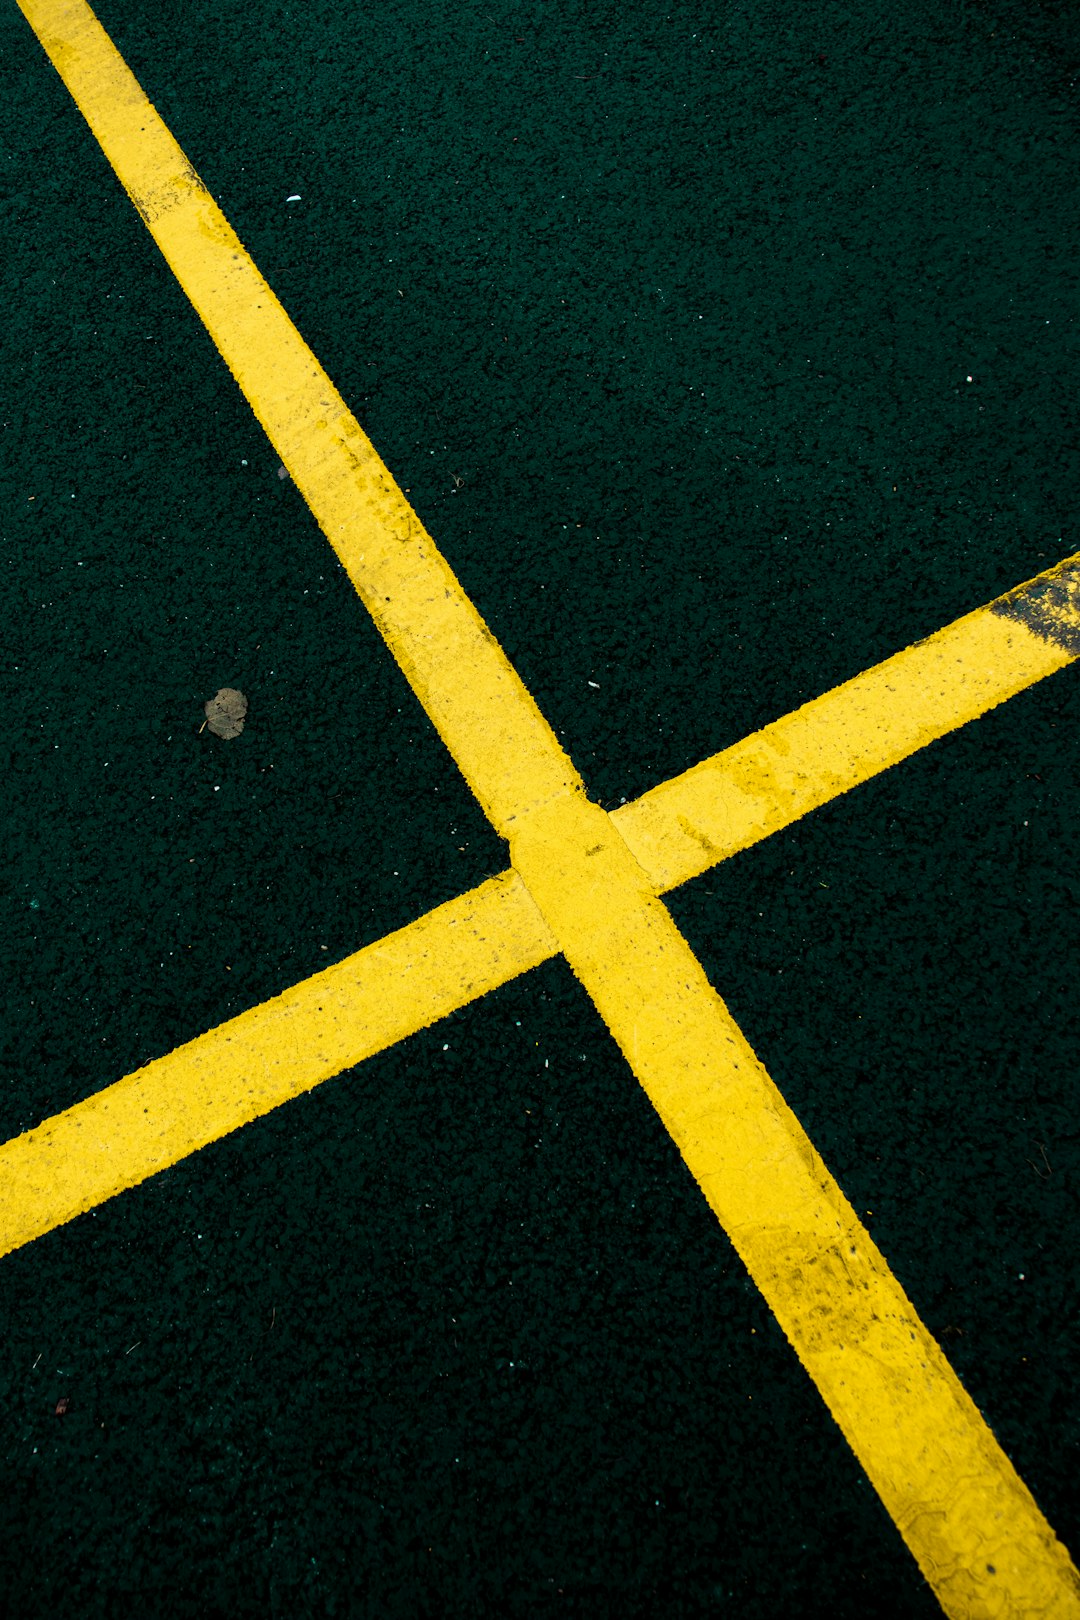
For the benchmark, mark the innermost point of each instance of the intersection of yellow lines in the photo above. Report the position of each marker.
(584, 884)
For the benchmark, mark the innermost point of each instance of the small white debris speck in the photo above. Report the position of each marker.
(596, 684)
(294, 198)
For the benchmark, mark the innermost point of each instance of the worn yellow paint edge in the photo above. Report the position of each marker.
(853, 732)
(252, 1064)
(615, 932)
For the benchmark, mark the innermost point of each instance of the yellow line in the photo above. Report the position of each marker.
(505, 748)
(254, 1063)
(966, 1516)
(974, 1528)
(491, 934)
(850, 734)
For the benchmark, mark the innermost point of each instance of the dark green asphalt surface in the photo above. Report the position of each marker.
(664, 314)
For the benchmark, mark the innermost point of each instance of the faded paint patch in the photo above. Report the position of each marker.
(1049, 606)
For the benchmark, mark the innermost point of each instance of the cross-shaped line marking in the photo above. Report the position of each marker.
(586, 884)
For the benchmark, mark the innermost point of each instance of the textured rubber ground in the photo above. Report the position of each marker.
(665, 321)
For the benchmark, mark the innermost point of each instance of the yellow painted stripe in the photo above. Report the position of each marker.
(507, 751)
(973, 1526)
(493, 933)
(949, 1487)
(772, 778)
(254, 1063)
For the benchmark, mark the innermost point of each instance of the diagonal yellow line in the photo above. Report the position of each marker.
(273, 1052)
(504, 746)
(451, 956)
(767, 781)
(966, 1516)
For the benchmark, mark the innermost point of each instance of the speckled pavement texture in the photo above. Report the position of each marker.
(724, 352)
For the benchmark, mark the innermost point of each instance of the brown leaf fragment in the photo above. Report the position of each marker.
(225, 712)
